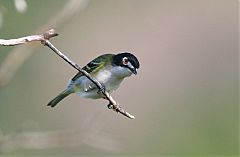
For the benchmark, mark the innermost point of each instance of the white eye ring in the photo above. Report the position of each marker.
(125, 61)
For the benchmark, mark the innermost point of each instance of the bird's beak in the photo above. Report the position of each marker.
(134, 71)
(132, 68)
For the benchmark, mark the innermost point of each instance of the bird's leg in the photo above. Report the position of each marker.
(102, 89)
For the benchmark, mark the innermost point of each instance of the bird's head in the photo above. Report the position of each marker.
(127, 62)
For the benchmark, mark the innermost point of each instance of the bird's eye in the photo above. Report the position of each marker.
(125, 61)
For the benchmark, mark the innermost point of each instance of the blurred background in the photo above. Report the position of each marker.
(185, 97)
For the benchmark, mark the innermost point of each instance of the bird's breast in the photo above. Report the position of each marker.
(104, 76)
(110, 80)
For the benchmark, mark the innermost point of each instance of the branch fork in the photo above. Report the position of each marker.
(44, 39)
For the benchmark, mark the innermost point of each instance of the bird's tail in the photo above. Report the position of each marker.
(58, 98)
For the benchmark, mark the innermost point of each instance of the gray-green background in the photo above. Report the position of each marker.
(185, 97)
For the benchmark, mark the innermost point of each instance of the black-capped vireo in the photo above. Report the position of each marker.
(108, 69)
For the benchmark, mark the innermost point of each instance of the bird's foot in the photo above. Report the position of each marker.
(110, 106)
(113, 107)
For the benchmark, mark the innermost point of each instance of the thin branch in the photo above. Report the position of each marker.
(49, 34)
(44, 38)
(20, 54)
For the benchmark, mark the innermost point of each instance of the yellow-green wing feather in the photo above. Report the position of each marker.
(95, 65)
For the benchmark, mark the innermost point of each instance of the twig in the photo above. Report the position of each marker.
(21, 54)
(44, 38)
(49, 34)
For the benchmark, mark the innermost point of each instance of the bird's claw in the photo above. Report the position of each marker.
(110, 106)
(113, 107)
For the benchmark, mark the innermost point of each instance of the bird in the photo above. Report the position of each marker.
(109, 69)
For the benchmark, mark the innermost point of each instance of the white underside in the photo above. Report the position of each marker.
(111, 79)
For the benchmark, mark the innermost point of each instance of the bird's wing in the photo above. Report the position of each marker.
(95, 65)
